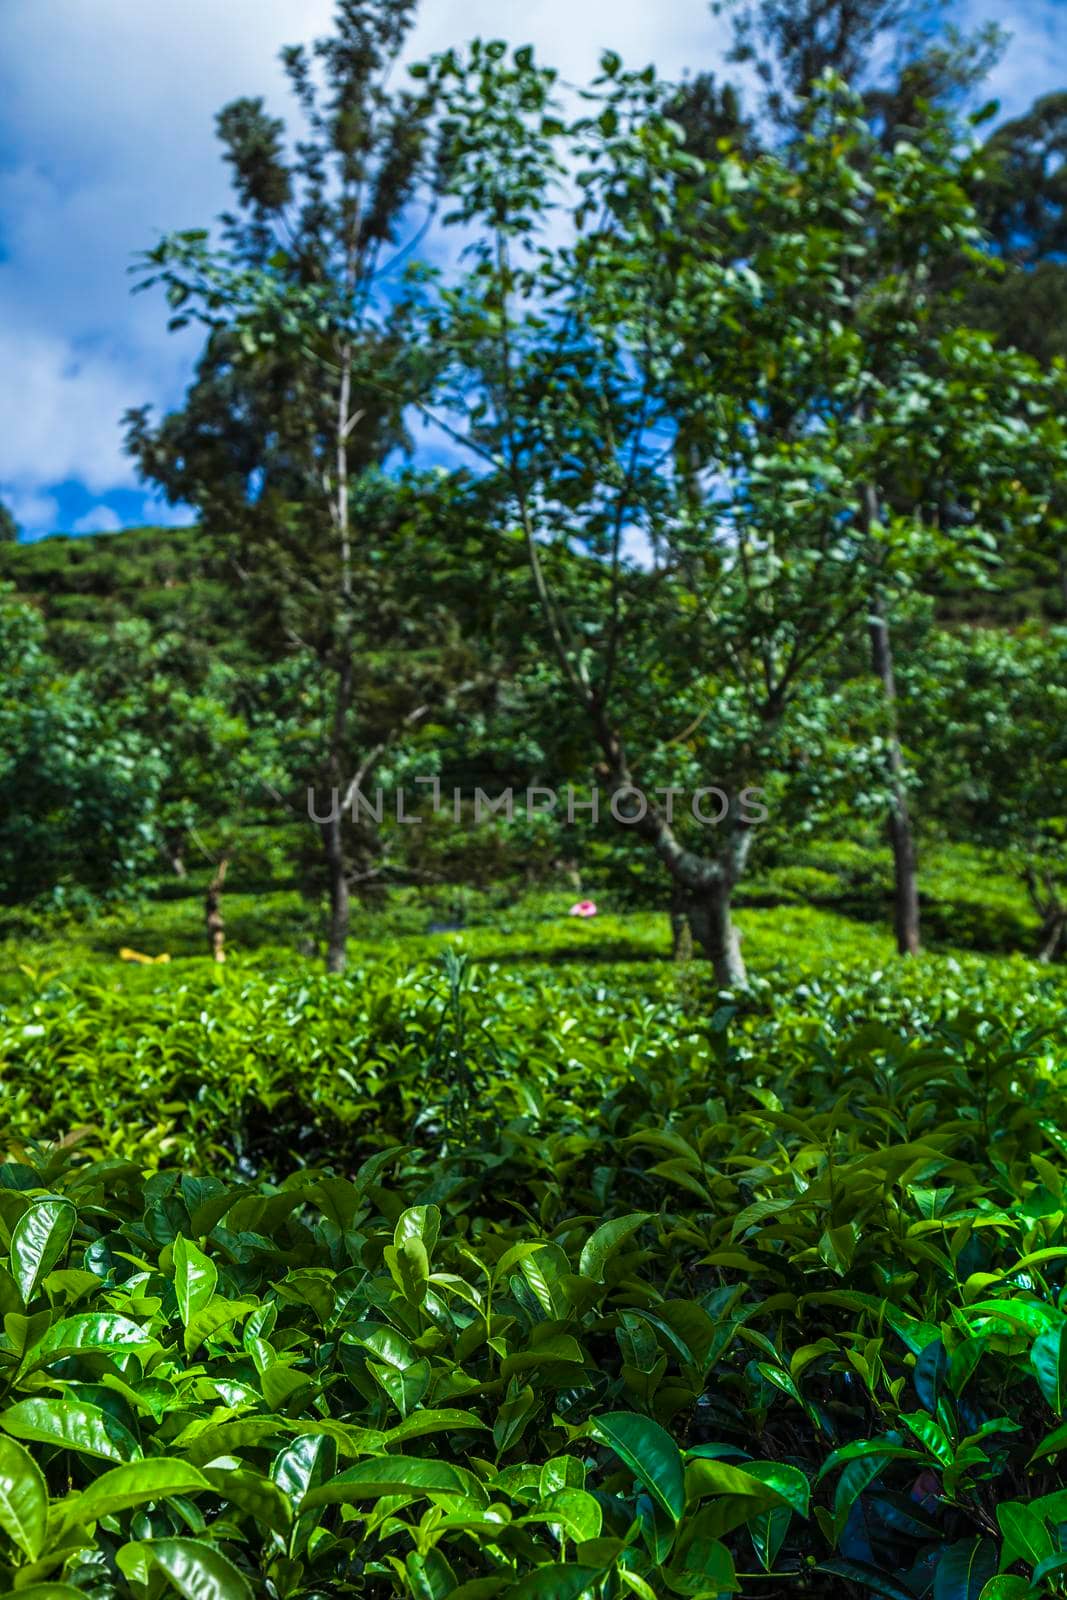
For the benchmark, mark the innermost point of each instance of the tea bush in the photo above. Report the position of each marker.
(457, 1280)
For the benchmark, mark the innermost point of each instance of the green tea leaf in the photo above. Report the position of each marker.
(38, 1240)
(422, 1223)
(787, 1482)
(1028, 1314)
(709, 1477)
(649, 1452)
(192, 1567)
(390, 1475)
(1048, 1357)
(964, 1569)
(601, 1245)
(702, 1564)
(308, 1463)
(69, 1424)
(1025, 1535)
(931, 1434)
(557, 1581)
(195, 1278)
(23, 1499)
(87, 1334)
(870, 1580)
(47, 1591)
(251, 1492)
(576, 1512)
(138, 1483)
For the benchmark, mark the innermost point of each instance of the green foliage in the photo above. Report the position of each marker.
(9, 528)
(545, 1266)
(1023, 192)
(567, 1295)
(986, 710)
(299, 400)
(738, 361)
(168, 578)
(77, 786)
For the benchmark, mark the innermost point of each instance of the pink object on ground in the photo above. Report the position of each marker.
(583, 908)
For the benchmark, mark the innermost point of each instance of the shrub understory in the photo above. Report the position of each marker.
(454, 1280)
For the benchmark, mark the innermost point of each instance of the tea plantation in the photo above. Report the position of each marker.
(533, 927)
(476, 1274)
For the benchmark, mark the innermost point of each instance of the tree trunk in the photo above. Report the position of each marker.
(681, 931)
(898, 822)
(1052, 911)
(174, 850)
(717, 934)
(1052, 932)
(332, 834)
(216, 934)
(704, 884)
(337, 945)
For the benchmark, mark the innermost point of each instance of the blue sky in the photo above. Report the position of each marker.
(106, 111)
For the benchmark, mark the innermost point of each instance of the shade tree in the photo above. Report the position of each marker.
(300, 396)
(987, 710)
(78, 786)
(221, 741)
(724, 367)
(914, 69)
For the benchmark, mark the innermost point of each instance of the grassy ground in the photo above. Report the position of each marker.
(825, 913)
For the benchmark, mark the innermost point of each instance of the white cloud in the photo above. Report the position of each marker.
(106, 128)
(107, 138)
(101, 519)
(1033, 63)
(571, 34)
(160, 514)
(59, 411)
(35, 513)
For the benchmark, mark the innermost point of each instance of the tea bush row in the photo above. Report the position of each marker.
(568, 1294)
